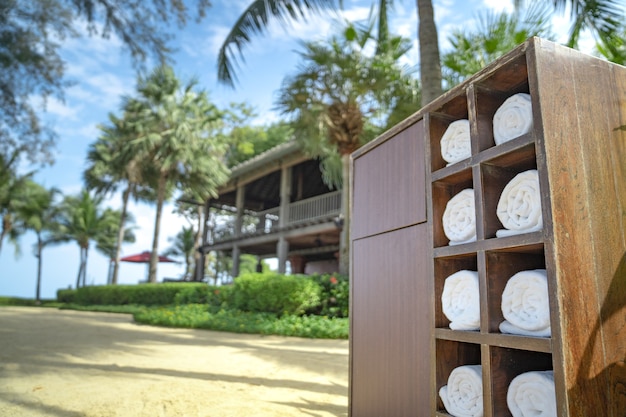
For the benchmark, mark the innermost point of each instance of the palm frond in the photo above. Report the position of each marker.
(254, 21)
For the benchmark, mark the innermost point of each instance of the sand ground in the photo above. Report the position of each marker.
(57, 363)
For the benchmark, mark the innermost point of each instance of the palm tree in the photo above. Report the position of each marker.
(184, 246)
(615, 51)
(11, 196)
(336, 90)
(83, 220)
(40, 213)
(172, 124)
(109, 167)
(107, 241)
(495, 35)
(601, 16)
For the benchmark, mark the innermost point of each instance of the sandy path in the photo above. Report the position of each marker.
(75, 364)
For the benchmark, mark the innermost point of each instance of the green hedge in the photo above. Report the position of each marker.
(335, 292)
(143, 294)
(196, 316)
(274, 293)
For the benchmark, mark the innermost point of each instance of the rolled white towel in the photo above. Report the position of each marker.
(519, 207)
(463, 396)
(513, 118)
(459, 218)
(525, 304)
(460, 300)
(455, 142)
(532, 394)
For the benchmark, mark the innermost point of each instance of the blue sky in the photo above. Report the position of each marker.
(103, 72)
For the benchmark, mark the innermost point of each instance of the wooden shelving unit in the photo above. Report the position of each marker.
(578, 147)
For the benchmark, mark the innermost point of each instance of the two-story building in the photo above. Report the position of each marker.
(281, 209)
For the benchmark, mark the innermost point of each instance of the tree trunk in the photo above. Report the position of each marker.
(120, 235)
(198, 273)
(154, 256)
(80, 268)
(86, 253)
(39, 262)
(430, 61)
(344, 243)
(5, 230)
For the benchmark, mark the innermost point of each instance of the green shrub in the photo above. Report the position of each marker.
(144, 294)
(25, 302)
(197, 316)
(274, 293)
(66, 296)
(202, 294)
(335, 295)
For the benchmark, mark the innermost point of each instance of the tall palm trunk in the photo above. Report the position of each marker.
(120, 234)
(198, 273)
(81, 268)
(430, 61)
(85, 252)
(39, 264)
(6, 227)
(154, 256)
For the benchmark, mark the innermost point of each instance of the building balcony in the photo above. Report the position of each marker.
(299, 214)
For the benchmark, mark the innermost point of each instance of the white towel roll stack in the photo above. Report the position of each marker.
(519, 206)
(455, 142)
(513, 118)
(532, 394)
(525, 304)
(460, 300)
(463, 396)
(459, 218)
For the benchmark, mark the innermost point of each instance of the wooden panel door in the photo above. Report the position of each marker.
(391, 322)
(389, 184)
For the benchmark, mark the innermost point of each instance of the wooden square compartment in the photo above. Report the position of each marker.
(487, 94)
(501, 265)
(506, 364)
(444, 267)
(438, 122)
(495, 174)
(442, 191)
(452, 354)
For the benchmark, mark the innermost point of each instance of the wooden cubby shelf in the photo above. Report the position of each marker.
(402, 348)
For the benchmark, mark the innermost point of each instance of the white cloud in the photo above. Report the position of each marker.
(499, 5)
(61, 109)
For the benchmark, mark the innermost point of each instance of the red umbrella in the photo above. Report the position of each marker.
(144, 257)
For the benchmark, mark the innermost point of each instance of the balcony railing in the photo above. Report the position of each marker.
(299, 212)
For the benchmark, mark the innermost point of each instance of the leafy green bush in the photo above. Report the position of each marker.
(335, 295)
(144, 294)
(198, 316)
(66, 296)
(202, 294)
(274, 293)
(26, 302)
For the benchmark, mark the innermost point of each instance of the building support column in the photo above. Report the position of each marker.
(236, 253)
(282, 248)
(201, 260)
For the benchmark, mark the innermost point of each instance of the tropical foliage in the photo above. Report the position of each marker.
(83, 220)
(110, 167)
(41, 214)
(340, 98)
(11, 197)
(495, 35)
(172, 125)
(32, 66)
